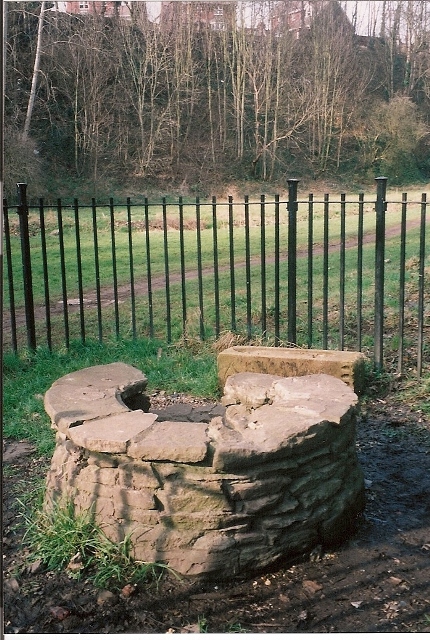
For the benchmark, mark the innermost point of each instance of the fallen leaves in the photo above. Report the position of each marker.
(310, 587)
(392, 609)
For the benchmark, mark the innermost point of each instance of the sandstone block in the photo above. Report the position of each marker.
(142, 499)
(178, 441)
(190, 498)
(137, 475)
(348, 366)
(112, 434)
(94, 392)
(249, 391)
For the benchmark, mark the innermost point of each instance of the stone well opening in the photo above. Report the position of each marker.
(270, 473)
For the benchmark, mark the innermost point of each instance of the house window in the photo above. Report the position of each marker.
(84, 7)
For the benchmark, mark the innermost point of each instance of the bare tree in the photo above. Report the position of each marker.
(36, 69)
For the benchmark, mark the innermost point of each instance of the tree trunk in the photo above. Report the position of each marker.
(36, 69)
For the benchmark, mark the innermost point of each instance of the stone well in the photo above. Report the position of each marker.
(273, 477)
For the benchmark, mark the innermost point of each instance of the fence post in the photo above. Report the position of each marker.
(26, 264)
(380, 208)
(292, 207)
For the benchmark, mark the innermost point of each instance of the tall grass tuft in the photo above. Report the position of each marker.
(62, 540)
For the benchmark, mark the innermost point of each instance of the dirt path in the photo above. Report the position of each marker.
(159, 282)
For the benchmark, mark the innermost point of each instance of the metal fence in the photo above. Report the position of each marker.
(330, 273)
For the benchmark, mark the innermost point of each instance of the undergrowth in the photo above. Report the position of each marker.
(62, 540)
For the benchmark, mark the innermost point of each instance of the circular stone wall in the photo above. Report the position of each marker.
(273, 477)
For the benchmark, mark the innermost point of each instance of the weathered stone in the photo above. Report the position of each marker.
(142, 499)
(137, 475)
(92, 474)
(190, 498)
(251, 490)
(348, 366)
(214, 541)
(94, 392)
(177, 441)
(102, 459)
(272, 475)
(250, 391)
(112, 434)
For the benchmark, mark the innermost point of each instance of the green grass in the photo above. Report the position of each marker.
(157, 253)
(192, 325)
(65, 541)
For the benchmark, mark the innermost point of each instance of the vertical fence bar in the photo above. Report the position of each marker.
(360, 232)
(277, 292)
(216, 269)
(248, 270)
(63, 272)
(380, 207)
(232, 275)
(166, 273)
(342, 273)
(325, 272)
(263, 264)
(310, 268)
(402, 277)
(183, 277)
(45, 273)
(131, 266)
(114, 269)
(199, 269)
(97, 269)
(148, 270)
(26, 264)
(79, 267)
(292, 208)
(10, 276)
(421, 285)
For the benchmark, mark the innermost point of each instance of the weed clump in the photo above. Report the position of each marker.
(62, 540)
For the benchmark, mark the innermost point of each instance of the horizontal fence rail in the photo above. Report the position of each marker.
(330, 273)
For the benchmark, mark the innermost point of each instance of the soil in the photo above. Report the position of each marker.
(377, 581)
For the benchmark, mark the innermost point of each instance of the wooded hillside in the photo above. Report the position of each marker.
(124, 102)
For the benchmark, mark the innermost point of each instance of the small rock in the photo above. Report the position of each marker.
(310, 587)
(76, 563)
(35, 566)
(128, 590)
(395, 581)
(190, 628)
(106, 597)
(59, 613)
(11, 584)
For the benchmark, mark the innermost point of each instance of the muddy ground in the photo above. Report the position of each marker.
(377, 581)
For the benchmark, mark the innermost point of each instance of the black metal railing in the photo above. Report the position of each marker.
(293, 271)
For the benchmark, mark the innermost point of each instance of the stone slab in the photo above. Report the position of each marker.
(94, 392)
(174, 441)
(348, 366)
(112, 434)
